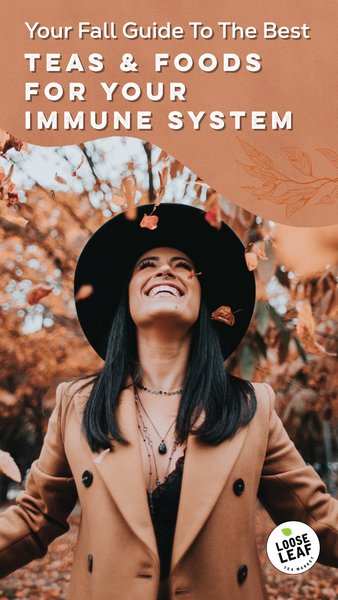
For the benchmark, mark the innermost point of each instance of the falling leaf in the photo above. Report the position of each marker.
(77, 168)
(260, 251)
(8, 176)
(251, 260)
(84, 292)
(163, 157)
(131, 212)
(60, 179)
(213, 217)
(163, 182)
(118, 200)
(13, 142)
(13, 199)
(4, 136)
(8, 467)
(20, 221)
(193, 274)
(198, 181)
(224, 314)
(149, 222)
(306, 327)
(37, 292)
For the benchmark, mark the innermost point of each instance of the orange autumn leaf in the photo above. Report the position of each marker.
(84, 292)
(163, 182)
(224, 314)
(118, 200)
(8, 176)
(60, 179)
(77, 168)
(149, 222)
(306, 327)
(4, 136)
(213, 216)
(260, 251)
(13, 142)
(20, 221)
(8, 467)
(37, 292)
(131, 212)
(193, 274)
(251, 260)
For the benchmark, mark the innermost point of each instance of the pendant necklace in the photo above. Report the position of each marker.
(146, 438)
(162, 448)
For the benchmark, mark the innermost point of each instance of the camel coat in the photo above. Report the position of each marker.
(214, 554)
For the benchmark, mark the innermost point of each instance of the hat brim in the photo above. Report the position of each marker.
(112, 251)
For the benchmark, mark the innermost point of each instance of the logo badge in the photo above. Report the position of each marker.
(293, 547)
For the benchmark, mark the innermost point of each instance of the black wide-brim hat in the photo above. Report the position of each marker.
(108, 257)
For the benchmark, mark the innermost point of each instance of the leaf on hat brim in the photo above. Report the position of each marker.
(84, 292)
(251, 260)
(306, 327)
(193, 274)
(8, 467)
(224, 314)
(213, 217)
(118, 200)
(77, 168)
(60, 179)
(20, 221)
(149, 222)
(37, 292)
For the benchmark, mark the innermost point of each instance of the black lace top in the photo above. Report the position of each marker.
(166, 499)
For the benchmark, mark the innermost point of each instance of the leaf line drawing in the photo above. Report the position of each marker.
(281, 189)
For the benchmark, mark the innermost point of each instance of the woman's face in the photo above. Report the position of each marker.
(160, 289)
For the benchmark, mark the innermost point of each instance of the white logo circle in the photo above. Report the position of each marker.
(293, 547)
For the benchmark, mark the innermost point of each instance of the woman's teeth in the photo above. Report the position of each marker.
(164, 290)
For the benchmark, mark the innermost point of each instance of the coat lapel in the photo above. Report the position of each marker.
(122, 472)
(206, 470)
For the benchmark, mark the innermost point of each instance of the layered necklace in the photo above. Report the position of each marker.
(150, 450)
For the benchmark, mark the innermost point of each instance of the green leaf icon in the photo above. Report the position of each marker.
(286, 531)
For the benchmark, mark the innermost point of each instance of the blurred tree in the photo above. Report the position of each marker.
(42, 344)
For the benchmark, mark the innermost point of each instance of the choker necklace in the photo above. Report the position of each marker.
(142, 387)
(162, 447)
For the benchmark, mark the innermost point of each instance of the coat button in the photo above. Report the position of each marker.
(239, 487)
(87, 478)
(242, 573)
(90, 563)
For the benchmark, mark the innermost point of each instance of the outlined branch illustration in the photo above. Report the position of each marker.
(282, 189)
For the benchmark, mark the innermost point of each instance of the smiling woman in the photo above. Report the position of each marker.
(166, 451)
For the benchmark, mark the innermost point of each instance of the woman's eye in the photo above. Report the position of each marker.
(145, 264)
(184, 264)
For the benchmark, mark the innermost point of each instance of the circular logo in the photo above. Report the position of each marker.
(293, 547)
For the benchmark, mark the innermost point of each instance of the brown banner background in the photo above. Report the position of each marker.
(298, 187)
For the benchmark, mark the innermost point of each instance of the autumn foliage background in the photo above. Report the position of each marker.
(291, 343)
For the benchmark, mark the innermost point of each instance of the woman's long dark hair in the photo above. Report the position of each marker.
(227, 401)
